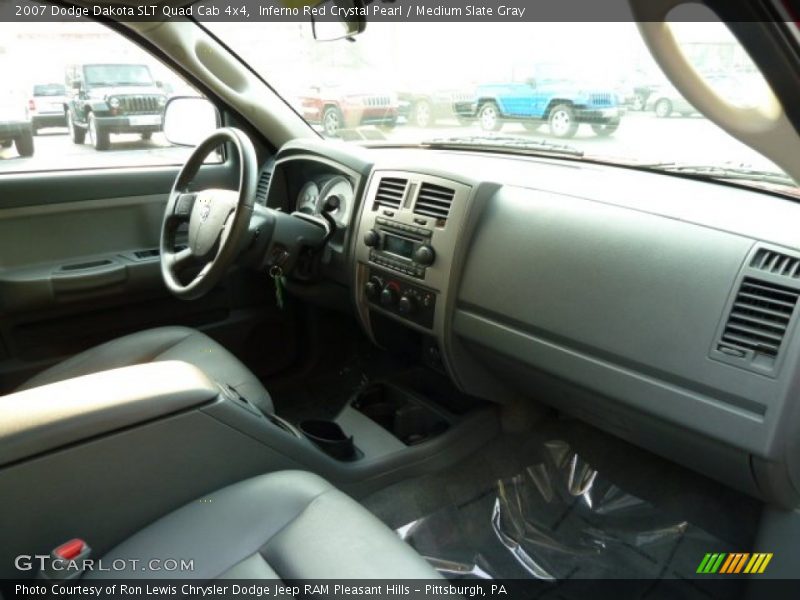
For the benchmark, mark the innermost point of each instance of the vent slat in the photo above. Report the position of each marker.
(777, 263)
(740, 306)
(446, 196)
(758, 321)
(429, 213)
(262, 189)
(754, 331)
(761, 298)
(769, 287)
(391, 191)
(750, 344)
(434, 201)
(761, 312)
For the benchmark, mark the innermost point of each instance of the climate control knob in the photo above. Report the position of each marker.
(372, 238)
(388, 296)
(372, 289)
(406, 305)
(424, 255)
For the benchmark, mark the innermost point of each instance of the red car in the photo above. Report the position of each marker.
(336, 109)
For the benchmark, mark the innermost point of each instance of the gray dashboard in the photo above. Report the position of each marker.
(659, 308)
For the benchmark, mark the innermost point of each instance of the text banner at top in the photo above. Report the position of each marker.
(368, 10)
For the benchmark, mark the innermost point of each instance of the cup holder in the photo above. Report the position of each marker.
(329, 437)
(406, 416)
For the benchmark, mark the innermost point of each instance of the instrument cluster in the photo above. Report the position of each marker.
(335, 191)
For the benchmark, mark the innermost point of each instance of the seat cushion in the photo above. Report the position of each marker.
(163, 343)
(284, 525)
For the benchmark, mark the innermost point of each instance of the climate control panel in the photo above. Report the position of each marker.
(397, 296)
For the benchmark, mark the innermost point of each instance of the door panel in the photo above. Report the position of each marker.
(79, 265)
(515, 102)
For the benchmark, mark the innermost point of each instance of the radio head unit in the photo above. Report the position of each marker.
(400, 247)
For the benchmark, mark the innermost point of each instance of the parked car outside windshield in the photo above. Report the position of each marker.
(47, 106)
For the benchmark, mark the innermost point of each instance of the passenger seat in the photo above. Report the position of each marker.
(283, 525)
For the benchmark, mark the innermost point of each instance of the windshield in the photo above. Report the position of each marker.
(50, 89)
(109, 75)
(592, 86)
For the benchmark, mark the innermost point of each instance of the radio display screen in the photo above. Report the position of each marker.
(399, 246)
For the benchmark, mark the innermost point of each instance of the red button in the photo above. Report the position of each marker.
(70, 549)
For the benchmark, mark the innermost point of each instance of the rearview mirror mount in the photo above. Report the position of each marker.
(338, 19)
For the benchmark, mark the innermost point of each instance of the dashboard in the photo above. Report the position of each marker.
(659, 308)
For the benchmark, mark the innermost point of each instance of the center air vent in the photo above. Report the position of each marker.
(434, 201)
(391, 191)
(776, 262)
(263, 186)
(758, 321)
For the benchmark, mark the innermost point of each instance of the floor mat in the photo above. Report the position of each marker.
(560, 519)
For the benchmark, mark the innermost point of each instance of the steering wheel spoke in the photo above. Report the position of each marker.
(183, 205)
(177, 261)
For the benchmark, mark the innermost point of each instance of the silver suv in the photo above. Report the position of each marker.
(46, 106)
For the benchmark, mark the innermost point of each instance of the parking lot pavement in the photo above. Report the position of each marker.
(641, 136)
(54, 150)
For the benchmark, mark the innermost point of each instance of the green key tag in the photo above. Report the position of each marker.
(280, 284)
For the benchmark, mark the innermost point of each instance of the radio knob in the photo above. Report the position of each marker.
(424, 255)
(372, 288)
(407, 305)
(372, 238)
(388, 296)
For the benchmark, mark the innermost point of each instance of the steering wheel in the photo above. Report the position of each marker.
(218, 219)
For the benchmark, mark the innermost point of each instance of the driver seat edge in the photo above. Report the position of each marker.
(160, 344)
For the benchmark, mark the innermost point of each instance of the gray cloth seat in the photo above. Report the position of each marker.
(163, 343)
(283, 525)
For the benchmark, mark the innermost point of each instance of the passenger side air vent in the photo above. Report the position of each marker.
(434, 201)
(758, 321)
(390, 192)
(263, 186)
(776, 263)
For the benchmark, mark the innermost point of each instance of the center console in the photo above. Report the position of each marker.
(126, 446)
(404, 247)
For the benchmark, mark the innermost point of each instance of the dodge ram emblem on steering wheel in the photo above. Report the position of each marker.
(205, 210)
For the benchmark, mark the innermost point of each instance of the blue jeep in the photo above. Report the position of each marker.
(552, 95)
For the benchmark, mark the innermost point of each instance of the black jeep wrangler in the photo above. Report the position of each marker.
(112, 98)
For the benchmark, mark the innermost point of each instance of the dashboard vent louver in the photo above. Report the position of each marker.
(776, 263)
(391, 191)
(434, 201)
(263, 186)
(759, 317)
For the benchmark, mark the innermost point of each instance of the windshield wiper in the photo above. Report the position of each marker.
(115, 83)
(483, 142)
(727, 172)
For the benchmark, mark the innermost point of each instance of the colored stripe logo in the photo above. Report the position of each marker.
(734, 563)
